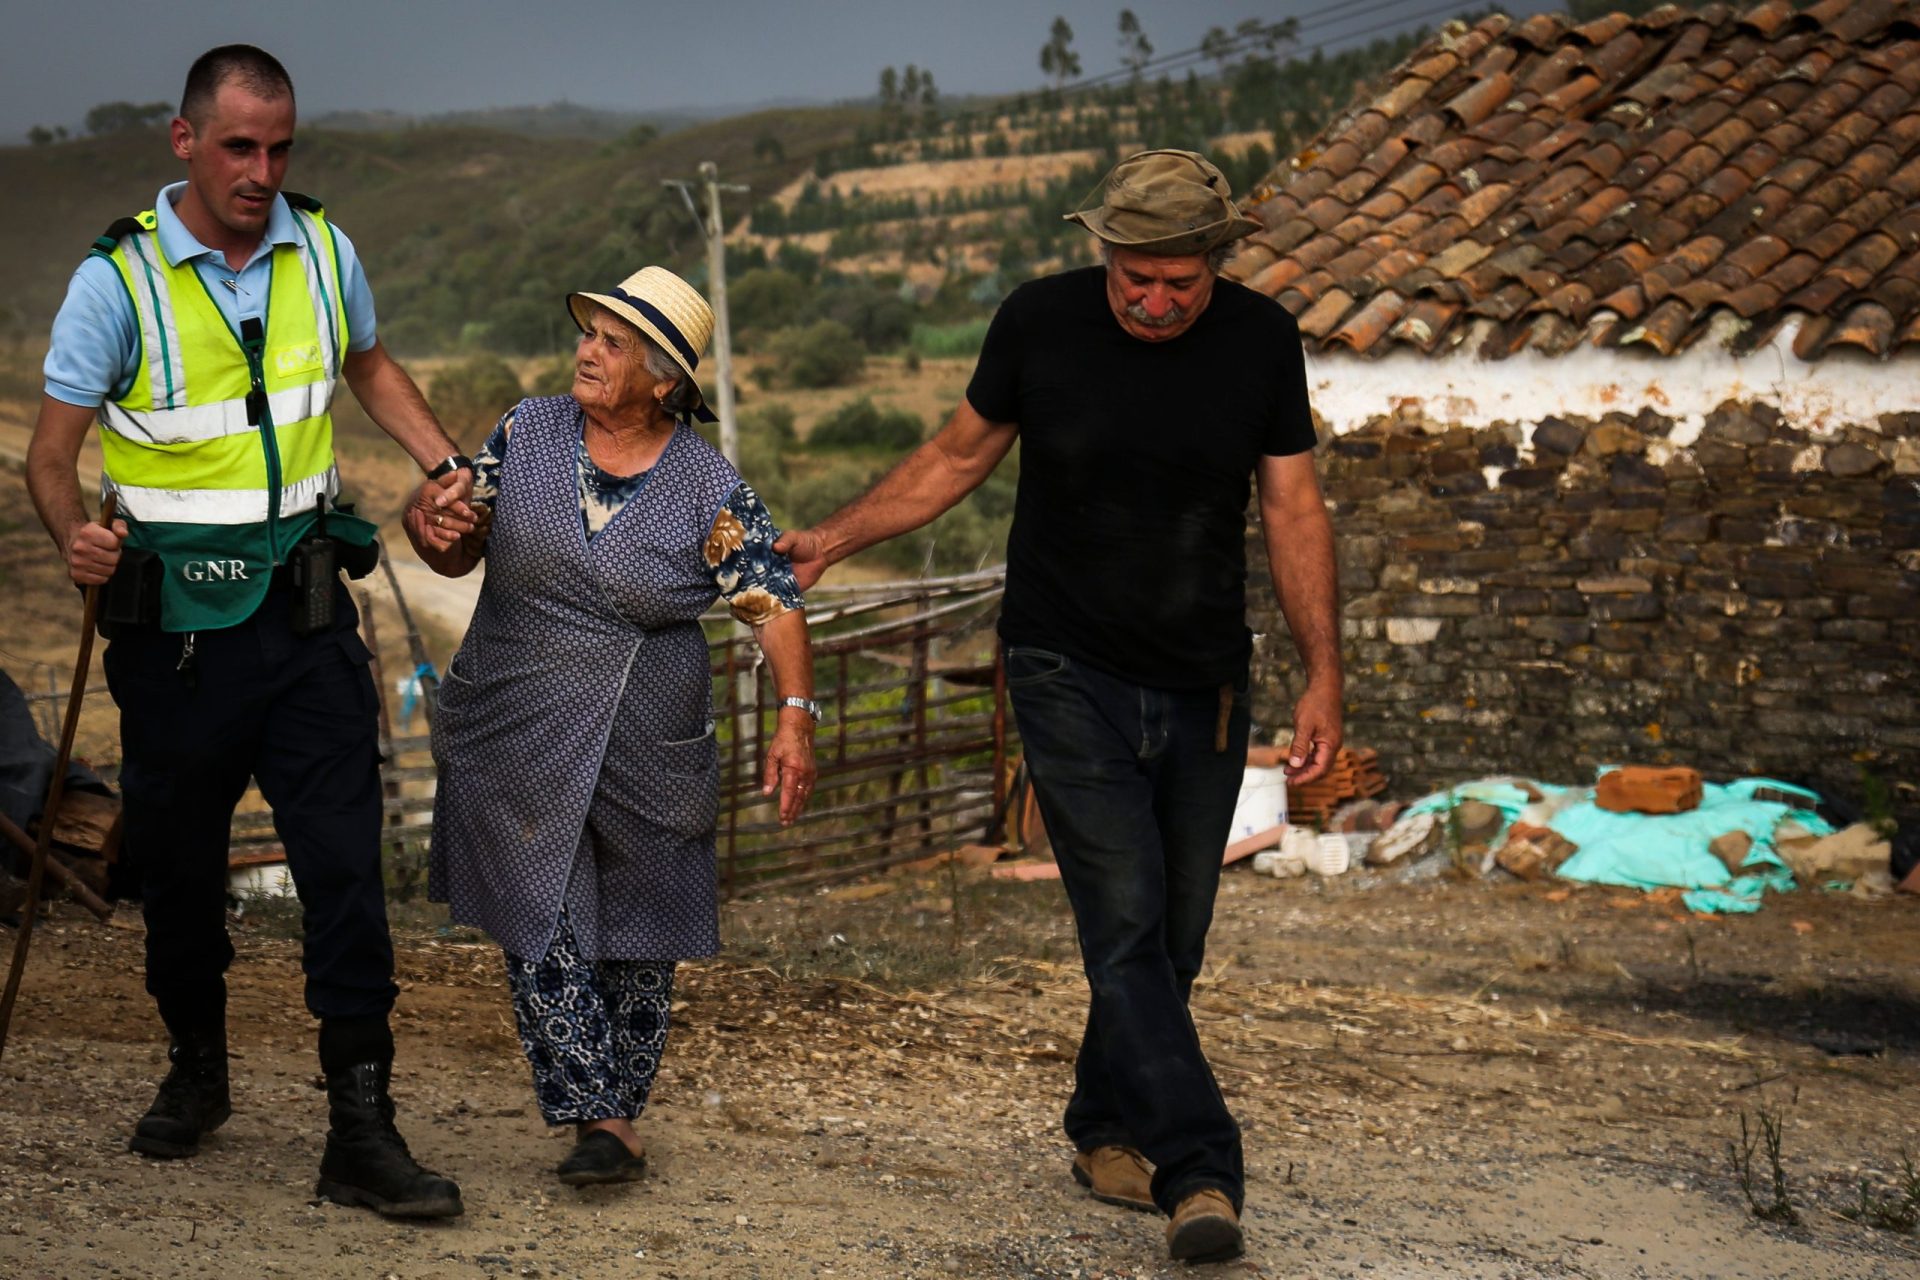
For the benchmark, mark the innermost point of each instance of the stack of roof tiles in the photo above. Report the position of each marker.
(1623, 183)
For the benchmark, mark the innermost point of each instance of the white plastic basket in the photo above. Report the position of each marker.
(1330, 856)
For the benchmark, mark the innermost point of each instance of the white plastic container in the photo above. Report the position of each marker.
(1329, 856)
(1279, 863)
(1298, 845)
(1262, 804)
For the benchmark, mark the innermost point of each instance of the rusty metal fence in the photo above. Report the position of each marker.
(912, 752)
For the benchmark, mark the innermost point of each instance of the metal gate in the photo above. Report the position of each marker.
(913, 750)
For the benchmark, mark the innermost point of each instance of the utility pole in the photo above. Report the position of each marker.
(746, 723)
(714, 228)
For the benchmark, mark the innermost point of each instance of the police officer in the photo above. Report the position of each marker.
(205, 336)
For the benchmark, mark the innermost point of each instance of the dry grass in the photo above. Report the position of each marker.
(980, 173)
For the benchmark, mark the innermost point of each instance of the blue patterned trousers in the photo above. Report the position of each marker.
(593, 1030)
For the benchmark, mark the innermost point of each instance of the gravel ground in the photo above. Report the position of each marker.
(1436, 1079)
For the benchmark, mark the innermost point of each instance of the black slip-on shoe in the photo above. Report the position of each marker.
(600, 1157)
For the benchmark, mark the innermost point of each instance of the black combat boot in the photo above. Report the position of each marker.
(192, 1101)
(367, 1162)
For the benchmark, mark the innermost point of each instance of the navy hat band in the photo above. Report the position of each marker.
(660, 322)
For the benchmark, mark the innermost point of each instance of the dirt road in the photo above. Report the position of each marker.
(1435, 1080)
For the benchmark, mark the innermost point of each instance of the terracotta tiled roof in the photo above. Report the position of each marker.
(1622, 182)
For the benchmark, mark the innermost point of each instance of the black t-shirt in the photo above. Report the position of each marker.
(1128, 542)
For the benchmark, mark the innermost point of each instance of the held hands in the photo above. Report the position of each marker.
(439, 515)
(790, 767)
(804, 548)
(93, 552)
(1316, 733)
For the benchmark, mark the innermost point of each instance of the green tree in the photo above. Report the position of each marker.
(1057, 57)
(529, 325)
(40, 135)
(1135, 49)
(554, 378)
(765, 436)
(468, 397)
(820, 491)
(797, 258)
(862, 426)
(823, 354)
(766, 298)
(119, 117)
(773, 421)
(1216, 46)
(880, 318)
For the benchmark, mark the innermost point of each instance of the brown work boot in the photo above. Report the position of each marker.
(1116, 1175)
(1204, 1229)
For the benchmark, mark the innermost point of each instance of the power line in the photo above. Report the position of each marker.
(1185, 58)
(1337, 14)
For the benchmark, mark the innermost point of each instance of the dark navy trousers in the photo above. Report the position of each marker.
(298, 713)
(1138, 804)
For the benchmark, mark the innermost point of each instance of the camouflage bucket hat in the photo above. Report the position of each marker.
(1166, 203)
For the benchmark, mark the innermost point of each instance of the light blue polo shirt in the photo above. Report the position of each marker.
(94, 352)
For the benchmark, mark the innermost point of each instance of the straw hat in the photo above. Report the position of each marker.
(668, 310)
(1167, 203)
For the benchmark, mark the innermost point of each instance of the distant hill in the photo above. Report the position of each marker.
(462, 230)
(473, 224)
(554, 120)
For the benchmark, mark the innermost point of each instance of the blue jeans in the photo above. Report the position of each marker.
(1138, 804)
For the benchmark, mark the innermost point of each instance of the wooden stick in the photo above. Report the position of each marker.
(55, 790)
(69, 881)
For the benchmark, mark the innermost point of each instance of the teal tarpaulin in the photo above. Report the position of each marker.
(1650, 851)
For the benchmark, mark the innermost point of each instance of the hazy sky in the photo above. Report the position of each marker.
(424, 56)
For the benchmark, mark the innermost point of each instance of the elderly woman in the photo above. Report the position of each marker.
(579, 778)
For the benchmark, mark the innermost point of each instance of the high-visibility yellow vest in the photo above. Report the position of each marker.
(222, 446)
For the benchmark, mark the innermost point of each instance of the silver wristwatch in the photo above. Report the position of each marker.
(807, 705)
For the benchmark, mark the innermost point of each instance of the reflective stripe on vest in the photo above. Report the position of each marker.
(179, 446)
(224, 506)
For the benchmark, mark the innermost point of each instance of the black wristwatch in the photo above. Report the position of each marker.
(448, 465)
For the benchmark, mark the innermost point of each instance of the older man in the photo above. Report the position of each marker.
(205, 337)
(1147, 390)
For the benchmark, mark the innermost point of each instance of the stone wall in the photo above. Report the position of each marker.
(1539, 601)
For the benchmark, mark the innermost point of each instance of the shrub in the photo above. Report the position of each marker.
(772, 422)
(949, 340)
(824, 354)
(469, 396)
(820, 492)
(763, 467)
(860, 424)
(971, 534)
(798, 259)
(525, 326)
(879, 317)
(554, 378)
(766, 298)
